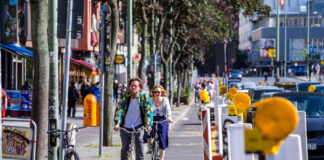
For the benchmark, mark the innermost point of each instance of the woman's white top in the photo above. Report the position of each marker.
(163, 110)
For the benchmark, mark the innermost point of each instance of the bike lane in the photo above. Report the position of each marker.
(185, 138)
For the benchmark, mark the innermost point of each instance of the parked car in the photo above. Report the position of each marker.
(255, 93)
(319, 88)
(235, 74)
(248, 85)
(303, 86)
(237, 85)
(313, 104)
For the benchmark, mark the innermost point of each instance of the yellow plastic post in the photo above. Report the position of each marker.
(90, 110)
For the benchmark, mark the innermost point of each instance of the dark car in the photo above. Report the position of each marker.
(319, 88)
(235, 74)
(313, 104)
(303, 86)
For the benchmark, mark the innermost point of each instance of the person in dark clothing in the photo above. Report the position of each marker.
(26, 86)
(72, 99)
(85, 89)
(116, 86)
(95, 90)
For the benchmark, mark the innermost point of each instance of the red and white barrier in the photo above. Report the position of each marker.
(205, 117)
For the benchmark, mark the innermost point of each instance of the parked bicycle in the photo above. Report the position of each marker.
(155, 141)
(131, 151)
(69, 150)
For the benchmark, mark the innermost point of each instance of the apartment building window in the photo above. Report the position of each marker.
(296, 21)
(301, 21)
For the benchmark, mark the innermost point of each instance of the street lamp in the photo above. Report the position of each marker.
(308, 8)
(225, 64)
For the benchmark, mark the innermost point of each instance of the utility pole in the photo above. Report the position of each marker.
(285, 65)
(53, 81)
(66, 74)
(278, 40)
(1, 17)
(308, 8)
(102, 77)
(225, 65)
(129, 38)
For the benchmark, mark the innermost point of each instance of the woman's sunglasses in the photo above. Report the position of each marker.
(157, 92)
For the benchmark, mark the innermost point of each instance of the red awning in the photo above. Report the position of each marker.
(86, 64)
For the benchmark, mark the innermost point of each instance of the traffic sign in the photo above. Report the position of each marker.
(119, 59)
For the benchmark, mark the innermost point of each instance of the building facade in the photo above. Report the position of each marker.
(292, 35)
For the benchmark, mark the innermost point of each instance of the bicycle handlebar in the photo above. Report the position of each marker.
(134, 131)
(160, 121)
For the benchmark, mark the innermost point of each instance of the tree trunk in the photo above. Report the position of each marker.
(166, 75)
(151, 77)
(41, 69)
(109, 76)
(178, 87)
(143, 54)
(185, 77)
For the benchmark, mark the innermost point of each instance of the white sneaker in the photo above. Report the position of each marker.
(149, 149)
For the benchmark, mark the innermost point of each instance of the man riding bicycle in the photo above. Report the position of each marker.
(133, 111)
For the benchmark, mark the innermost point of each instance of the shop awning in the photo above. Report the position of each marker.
(18, 50)
(85, 64)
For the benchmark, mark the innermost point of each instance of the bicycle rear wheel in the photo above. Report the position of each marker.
(72, 155)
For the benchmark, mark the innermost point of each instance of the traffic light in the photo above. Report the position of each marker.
(249, 49)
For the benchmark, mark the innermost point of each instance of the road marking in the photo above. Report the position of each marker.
(187, 144)
(185, 119)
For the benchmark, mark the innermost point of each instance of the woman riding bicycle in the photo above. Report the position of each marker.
(161, 112)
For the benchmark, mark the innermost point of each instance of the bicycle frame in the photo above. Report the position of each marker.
(131, 151)
(156, 149)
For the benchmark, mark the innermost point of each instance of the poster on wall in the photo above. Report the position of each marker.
(26, 100)
(13, 99)
(16, 142)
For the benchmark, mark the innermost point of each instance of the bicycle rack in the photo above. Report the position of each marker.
(34, 128)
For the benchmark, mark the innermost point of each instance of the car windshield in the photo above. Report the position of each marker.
(257, 94)
(312, 105)
(235, 71)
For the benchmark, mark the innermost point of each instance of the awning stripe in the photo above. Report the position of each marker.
(20, 50)
(86, 64)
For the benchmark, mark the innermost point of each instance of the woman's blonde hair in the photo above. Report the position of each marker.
(163, 92)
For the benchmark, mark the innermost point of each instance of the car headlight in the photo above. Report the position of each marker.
(230, 75)
(239, 75)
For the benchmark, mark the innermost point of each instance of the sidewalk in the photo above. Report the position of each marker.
(87, 140)
(313, 79)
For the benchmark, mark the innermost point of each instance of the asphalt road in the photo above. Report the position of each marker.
(185, 138)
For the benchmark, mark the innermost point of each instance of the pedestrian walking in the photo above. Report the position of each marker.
(85, 89)
(161, 112)
(197, 90)
(210, 89)
(134, 110)
(203, 94)
(266, 78)
(73, 96)
(123, 89)
(4, 101)
(95, 90)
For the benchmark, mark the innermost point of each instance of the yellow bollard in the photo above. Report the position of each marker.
(90, 111)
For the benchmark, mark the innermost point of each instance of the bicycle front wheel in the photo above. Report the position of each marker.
(155, 152)
(72, 155)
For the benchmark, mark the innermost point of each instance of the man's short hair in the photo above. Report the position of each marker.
(140, 82)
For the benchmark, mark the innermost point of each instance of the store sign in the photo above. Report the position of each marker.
(16, 142)
(119, 59)
(282, 2)
(13, 97)
(26, 100)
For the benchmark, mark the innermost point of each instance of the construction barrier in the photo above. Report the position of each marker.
(301, 131)
(205, 117)
(290, 149)
(235, 137)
